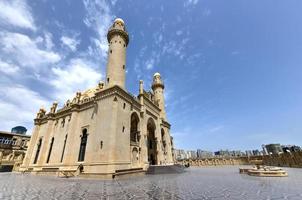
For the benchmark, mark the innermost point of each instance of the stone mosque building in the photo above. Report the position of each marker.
(104, 130)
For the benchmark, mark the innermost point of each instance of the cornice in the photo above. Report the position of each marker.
(166, 124)
(114, 31)
(90, 103)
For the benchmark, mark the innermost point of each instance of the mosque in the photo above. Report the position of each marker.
(104, 130)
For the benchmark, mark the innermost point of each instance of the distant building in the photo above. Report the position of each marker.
(13, 146)
(290, 148)
(273, 148)
(180, 154)
(295, 148)
(248, 153)
(264, 150)
(236, 153)
(204, 154)
(191, 154)
(19, 130)
(256, 152)
(227, 153)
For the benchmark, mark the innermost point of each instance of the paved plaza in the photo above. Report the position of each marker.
(196, 183)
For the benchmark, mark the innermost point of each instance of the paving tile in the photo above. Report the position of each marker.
(211, 183)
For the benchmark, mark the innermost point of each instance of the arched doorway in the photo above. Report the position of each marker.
(134, 139)
(151, 142)
(164, 145)
(134, 131)
(83, 145)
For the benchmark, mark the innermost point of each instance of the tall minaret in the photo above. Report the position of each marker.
(158, 89)
(118, 40)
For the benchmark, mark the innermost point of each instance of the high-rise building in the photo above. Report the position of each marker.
(273, 148)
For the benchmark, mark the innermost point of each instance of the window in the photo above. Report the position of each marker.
(123, 66)
(7, 141)
(38, 150)
(150, 144)
(110, 51)
(83, 145)
(107, 80)
(63, 148)
(123, 129)
(63, 122)
(22, 143)
(124, 106)
(50, 148)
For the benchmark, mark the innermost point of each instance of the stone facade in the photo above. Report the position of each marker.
(104, 129)
(12, 150)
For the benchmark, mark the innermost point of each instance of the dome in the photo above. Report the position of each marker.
(156, 74)
(119, 20)
(19, 130)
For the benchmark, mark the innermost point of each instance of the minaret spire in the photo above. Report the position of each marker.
(118, 40)
(158, 89)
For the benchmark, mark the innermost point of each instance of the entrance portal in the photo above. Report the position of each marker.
(151, 143)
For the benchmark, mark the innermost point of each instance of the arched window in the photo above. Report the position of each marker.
(50, 148)
(163, 139)
(151, 142)
(83, 145)
(63, 148)
(134, 132)
(38, 150)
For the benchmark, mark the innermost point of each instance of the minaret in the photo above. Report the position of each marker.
(158, 89)
(118, 40)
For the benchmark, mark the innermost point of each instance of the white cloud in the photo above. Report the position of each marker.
(48, 41)
(8, 68)
(70, 42)
(179, 32)
(79, 74)
(207, 12)
(19, 106)
(216, 128)
(113, 2)
(99, 18)
(191, 2)
(16, 13)
(150, 63)
(25, 51)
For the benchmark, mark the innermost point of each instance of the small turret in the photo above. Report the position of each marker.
(53, 107)
(158, 89)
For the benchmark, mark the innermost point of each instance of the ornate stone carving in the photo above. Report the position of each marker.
(53, 107)
(41, 113)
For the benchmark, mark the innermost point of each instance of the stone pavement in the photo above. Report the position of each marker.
(197, 183)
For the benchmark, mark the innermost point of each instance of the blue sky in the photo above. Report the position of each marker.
(232, 69)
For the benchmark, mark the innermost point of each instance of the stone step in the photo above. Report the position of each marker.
(128, 172)
(165, 169)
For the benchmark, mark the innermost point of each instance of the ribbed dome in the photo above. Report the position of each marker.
(156, 74)
(119, 20)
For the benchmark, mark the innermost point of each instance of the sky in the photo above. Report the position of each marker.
(232, 69)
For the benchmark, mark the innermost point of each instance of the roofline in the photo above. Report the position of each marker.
(14, 134)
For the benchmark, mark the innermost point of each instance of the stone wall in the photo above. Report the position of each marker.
(215, 161)
(284, 160)
(281, 160)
